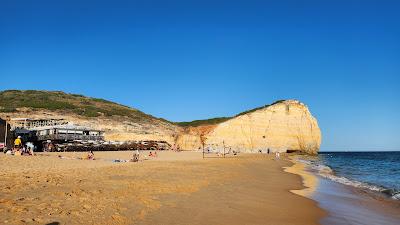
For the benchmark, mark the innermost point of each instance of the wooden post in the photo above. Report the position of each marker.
(5, 136)
(6, 132)
(202, 140)
(223, 145)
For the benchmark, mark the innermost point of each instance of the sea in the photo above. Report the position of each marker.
(357, 187)
(373, 171)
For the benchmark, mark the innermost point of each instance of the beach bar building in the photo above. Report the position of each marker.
(67, 132)
(48, 134)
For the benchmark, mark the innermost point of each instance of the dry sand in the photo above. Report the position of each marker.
(175, 188)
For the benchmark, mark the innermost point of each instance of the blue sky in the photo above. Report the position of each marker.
(186, 60)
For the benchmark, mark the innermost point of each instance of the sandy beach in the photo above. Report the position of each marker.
(175, 188)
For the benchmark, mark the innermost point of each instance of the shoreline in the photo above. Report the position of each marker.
(344, 204)
(310, 181)
(175, 188)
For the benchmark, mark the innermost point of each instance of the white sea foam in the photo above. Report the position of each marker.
(327, 172)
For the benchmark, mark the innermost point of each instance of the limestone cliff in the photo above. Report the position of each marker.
(284, 125)
(287, 125)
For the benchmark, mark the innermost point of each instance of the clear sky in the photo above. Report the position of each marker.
(186, 60)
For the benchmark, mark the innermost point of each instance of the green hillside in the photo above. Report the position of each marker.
(10, 100)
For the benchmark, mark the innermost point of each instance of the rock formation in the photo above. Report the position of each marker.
(284, 125)
(287, 125)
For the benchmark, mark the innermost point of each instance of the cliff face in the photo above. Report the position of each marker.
(192, 138)
(287, 125)
(284, 125)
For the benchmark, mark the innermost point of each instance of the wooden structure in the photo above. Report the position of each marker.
(26, 123)
(65, 133)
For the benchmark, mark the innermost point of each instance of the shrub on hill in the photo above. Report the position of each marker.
(55, 100)
(196, 123)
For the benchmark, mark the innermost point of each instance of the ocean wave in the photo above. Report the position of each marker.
(327, 172)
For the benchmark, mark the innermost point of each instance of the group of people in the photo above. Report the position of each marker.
(277, 153)
(28, 149)
(176, 148)
(135, 156)
(21, 149)
(153, 154)
(90, 156)
(220, 152)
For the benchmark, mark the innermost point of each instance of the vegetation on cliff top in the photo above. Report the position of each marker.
(11, 100)
(196, 123)
(217, 120)
(258, 108)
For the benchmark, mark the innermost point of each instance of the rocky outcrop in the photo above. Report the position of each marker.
(192, 138)
(287, 125)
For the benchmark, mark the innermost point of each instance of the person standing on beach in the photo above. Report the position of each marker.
(137, 153)
(277, 155)
(17, 143)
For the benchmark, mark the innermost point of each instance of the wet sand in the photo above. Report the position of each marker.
(346, 205)
(175, 188)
